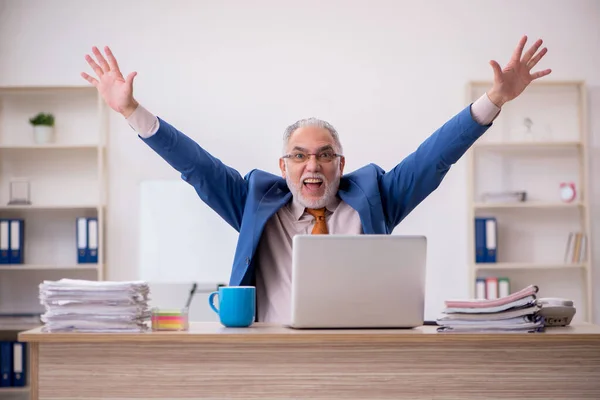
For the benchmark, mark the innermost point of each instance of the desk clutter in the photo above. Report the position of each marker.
(521, 311)
(94, 306)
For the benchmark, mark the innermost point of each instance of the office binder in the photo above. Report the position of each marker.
(5, 364)
(82, 240)
(92, 240)
(18, 367)
(480, 240)
(503, 287)
(4, 241)
(16, 238)
(480, 291)
(491, 235)
(491, 288)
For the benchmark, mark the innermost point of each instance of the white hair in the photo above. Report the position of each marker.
(312, 122)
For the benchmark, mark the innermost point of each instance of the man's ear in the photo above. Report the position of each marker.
(342, 164)
(282, 167)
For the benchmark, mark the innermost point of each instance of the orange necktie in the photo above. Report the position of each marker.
(320, 227)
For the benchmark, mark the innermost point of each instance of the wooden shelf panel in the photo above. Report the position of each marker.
(49, 207)
(527, 265)
(39, 267)
(529, 204)
(24, 389)
(54, 146)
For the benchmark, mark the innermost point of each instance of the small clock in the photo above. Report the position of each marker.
(567, 192)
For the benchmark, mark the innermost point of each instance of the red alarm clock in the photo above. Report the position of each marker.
(567, 192)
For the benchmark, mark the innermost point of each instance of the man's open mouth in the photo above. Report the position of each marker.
(313, 183)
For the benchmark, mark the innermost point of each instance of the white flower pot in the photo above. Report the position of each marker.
(43, 134)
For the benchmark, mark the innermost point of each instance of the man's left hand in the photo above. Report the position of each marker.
(516, 75)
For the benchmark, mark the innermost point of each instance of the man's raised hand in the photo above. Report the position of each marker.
(511, 81)
(116, 91)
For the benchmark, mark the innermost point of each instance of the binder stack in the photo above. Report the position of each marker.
(12, 240)
(517, 312)
(92, 306)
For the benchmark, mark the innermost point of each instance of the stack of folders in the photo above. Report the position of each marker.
(91, 306)
(517, 312)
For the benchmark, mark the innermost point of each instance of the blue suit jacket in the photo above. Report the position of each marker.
(382, 199)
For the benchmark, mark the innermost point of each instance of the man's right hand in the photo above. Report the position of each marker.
(116, 91)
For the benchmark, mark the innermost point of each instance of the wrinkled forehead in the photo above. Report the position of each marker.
(311, 138)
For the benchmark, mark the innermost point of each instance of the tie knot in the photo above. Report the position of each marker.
(316, 212)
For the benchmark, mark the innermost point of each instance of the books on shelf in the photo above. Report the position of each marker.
(87, 240)
(94, 306)
(516, 312)
(575, 251)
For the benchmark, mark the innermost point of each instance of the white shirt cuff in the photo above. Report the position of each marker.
(143, 122)
(484, 111)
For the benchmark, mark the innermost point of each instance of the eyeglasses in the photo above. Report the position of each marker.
(323, 157)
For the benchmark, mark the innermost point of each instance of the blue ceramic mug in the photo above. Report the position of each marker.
(237, 305)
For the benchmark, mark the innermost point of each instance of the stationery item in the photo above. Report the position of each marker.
(517, 312)
(16, 238)
(480, 292)
(4, 241)
(5, 364)
(491, 285)
(18, 367)
(92, 231)
(94, 306)
(557, 311)
(175, 319)
(82, 240)
(491, 234)
(480, 240)
(503, 287)
(237, 305)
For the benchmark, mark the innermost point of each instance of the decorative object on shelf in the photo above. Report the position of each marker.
(567, 192)
(504, 197)
(43, 128)
(19, 192)
(528, 133)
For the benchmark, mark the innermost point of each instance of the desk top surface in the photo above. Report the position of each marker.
(211, 332)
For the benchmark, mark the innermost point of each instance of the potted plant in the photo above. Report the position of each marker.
(43, 128)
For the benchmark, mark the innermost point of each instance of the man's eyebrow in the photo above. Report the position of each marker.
(323, 148)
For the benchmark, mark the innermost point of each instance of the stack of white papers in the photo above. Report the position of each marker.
(94, 306)
(517, 312)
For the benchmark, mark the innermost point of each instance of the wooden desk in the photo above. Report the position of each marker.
(271, 362)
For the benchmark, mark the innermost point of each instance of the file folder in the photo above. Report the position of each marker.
(92, 240)
(4, 241)
(480, 240)
(16, 238)
(82, 240)
(491, 234)
(5, 364)
(18, 367)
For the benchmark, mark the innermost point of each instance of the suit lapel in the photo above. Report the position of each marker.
(275, 198)
(356, 198)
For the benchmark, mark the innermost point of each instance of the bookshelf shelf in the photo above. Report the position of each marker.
(528, 204)
(50, 147)
(50, 207)
(22, 389)
(24, 267)
(536, 144)
(523, 266)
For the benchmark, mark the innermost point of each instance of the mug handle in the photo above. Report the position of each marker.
(211, 298)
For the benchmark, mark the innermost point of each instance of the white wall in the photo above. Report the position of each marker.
(233, 74)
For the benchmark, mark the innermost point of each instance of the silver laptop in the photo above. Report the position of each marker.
(358, 281)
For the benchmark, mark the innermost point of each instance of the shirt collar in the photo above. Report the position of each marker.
(298, 209)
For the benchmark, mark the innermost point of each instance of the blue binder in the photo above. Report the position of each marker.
(491, 239)
(480, 253)
(19, 371)
(4, 241)
(82, 240)
(5, 364)
(17, 240)
(92, 229)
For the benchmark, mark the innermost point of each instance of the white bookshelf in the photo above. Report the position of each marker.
(532, 235)
(67, 180)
